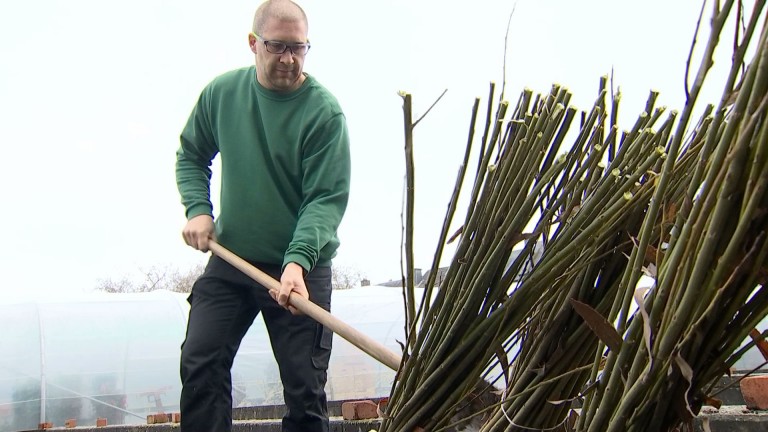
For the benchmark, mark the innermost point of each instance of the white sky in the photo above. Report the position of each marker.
(94, 93)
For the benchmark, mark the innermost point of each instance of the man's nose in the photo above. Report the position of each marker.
(287, 56)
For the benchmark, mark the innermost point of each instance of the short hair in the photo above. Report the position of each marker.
(279, 9)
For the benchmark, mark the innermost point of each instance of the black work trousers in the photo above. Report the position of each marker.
(224, 303)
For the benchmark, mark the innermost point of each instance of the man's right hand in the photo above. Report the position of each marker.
(198, 231)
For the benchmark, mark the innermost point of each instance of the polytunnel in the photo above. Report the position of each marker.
(116, 356)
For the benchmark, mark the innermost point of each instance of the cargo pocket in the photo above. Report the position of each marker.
(321, 351)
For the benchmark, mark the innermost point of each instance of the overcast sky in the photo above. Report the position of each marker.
(94, 93)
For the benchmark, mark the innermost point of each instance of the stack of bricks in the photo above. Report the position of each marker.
(71, 424)
(363, 409)
(163, 418)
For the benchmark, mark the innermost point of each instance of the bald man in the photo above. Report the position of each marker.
(285, 173)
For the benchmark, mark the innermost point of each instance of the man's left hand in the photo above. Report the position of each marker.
(292, 280)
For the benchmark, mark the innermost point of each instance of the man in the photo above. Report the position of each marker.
(285, 162)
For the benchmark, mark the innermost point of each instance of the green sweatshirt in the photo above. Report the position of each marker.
(285, 168)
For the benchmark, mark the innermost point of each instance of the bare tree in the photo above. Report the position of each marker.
(183, 281)
(155, 278)
(345, 277)
(122, 285)
(173, 279)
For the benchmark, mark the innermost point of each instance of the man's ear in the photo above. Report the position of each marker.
(253, 42)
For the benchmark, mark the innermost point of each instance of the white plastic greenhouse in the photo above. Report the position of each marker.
(117, 356)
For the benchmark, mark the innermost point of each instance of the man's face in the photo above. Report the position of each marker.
(280, 72)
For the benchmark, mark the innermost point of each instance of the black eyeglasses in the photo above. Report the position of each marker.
(277, 47)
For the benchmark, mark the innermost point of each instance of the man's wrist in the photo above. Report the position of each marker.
(295, 267)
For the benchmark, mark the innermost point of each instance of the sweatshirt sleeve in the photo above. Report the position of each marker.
(326, 171)
(193, 160)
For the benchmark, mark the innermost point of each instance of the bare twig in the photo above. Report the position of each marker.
(430, 108)
(410, 306)
(739, 20)
(504, 67)
(690, 53)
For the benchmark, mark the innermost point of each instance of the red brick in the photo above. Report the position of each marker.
(158, 418)
(359, 410)
(176, 417)
(755, 392)
(46, 425)
(101, 422)
(348, 410)
(70, 423)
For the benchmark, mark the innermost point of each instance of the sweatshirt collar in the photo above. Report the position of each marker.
(279, 95)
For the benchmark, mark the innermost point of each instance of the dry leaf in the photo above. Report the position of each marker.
(599, 325)
(504, 363)
(383, 402)
(687, 373)
(713, 402)
(639, 299)
(670, 212)
(760, 342)
(762, 276)
(653, 256)
(573, 419)
(517, 238)
(456, 235)
(649, 271)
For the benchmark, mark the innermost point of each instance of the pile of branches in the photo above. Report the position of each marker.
(544, 285)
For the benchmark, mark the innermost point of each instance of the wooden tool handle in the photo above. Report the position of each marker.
(365, 343)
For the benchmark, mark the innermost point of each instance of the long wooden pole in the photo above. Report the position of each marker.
(352, 335)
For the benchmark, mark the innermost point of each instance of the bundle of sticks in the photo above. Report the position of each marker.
(602, 280)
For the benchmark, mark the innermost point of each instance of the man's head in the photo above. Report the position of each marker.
(279, 25)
